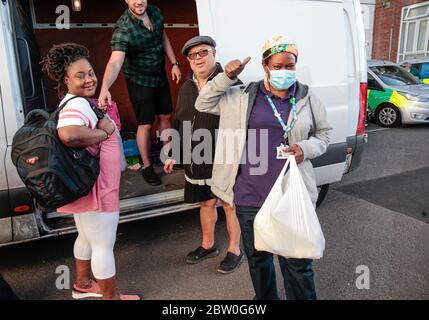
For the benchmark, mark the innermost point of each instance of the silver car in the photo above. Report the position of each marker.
(395, 96)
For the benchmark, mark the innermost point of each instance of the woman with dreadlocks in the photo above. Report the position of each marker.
(97, 214)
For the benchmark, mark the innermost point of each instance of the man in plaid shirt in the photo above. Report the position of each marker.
(139, 43)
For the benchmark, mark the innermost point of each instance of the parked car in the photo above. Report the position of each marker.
(395, 96)
(418, 68)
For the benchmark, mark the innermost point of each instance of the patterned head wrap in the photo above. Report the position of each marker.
(278, 44)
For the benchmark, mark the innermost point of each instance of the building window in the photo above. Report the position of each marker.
(414, 33)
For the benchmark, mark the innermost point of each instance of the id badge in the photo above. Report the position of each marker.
(280, 153)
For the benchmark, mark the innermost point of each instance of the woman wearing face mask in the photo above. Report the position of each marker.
(279, 115)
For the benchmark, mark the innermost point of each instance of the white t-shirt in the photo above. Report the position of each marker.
(77, 112)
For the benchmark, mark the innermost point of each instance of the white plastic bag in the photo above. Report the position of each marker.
(287, 224)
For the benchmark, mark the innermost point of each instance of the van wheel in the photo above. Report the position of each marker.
(323, 191)
(387, 115)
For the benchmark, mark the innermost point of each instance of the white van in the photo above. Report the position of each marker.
(329, 35)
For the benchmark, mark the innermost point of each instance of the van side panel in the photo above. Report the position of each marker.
(352, 67)
(317, 27)
(356, 57)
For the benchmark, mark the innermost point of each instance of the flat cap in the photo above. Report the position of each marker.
(196, 41)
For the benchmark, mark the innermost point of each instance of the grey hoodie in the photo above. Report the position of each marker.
(234, 105)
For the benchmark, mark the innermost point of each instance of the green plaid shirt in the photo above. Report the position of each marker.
(144, 51)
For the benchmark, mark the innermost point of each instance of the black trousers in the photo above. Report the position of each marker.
(298, 275)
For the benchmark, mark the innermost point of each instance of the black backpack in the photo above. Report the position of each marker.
(54, 174)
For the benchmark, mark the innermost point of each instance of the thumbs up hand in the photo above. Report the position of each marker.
(235, 67)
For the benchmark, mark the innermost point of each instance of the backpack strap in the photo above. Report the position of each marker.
(55, 114)
(68, 100)
(98, 112)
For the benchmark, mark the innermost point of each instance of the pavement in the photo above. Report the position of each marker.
(375, 218)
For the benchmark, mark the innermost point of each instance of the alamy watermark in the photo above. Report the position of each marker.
(62, 281)
(362, 281)
(63, 20)
(233, 146)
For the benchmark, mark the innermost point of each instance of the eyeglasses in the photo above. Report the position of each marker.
(201, 53)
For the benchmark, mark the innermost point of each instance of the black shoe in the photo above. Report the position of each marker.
(151, 177)
(201, 254)
(230, 263)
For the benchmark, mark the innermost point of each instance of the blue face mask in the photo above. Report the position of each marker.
(282, 79)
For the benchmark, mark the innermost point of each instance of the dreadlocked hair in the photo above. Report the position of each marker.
(59, 58)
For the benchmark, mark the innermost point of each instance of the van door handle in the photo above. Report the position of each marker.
(33, 88)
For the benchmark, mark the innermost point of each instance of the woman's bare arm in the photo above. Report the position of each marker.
(81, 136)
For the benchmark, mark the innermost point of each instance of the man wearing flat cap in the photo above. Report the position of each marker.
(200, 52)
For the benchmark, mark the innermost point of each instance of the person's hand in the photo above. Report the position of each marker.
(105, 99)
(107, 125)
(169, 165)
(234, 67)
(296, 151)
(176, 74)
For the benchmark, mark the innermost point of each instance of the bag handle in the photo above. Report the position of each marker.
(291, 162)
(293, 165)
(37, 114)
(283, 172)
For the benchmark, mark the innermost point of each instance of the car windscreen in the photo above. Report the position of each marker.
(394, 75)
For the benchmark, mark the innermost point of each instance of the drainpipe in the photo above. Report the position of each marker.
(390, 43)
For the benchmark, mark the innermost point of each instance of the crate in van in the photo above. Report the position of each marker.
(130, 148)
(330, 36)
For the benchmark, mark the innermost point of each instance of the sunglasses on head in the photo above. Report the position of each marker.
(201, 53)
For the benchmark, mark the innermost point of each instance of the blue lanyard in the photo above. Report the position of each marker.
(288, 128)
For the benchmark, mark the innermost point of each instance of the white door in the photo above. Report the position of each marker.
(11, 94)
(241, 27)
(11, 117)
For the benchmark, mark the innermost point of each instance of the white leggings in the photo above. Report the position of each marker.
(95, 242)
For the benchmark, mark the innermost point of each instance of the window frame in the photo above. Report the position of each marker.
(403, 54)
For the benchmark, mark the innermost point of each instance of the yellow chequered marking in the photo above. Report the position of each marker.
(399, 100)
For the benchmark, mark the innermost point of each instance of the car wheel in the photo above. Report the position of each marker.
(387, 115)
(323, 191)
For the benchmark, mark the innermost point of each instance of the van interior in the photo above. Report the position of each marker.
(36, 32)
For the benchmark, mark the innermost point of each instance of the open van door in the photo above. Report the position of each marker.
(330, 38)
(11, 117)
(5, 218)
(28, 28)
(92, 27)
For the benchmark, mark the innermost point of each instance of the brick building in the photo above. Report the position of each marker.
(400, 29)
